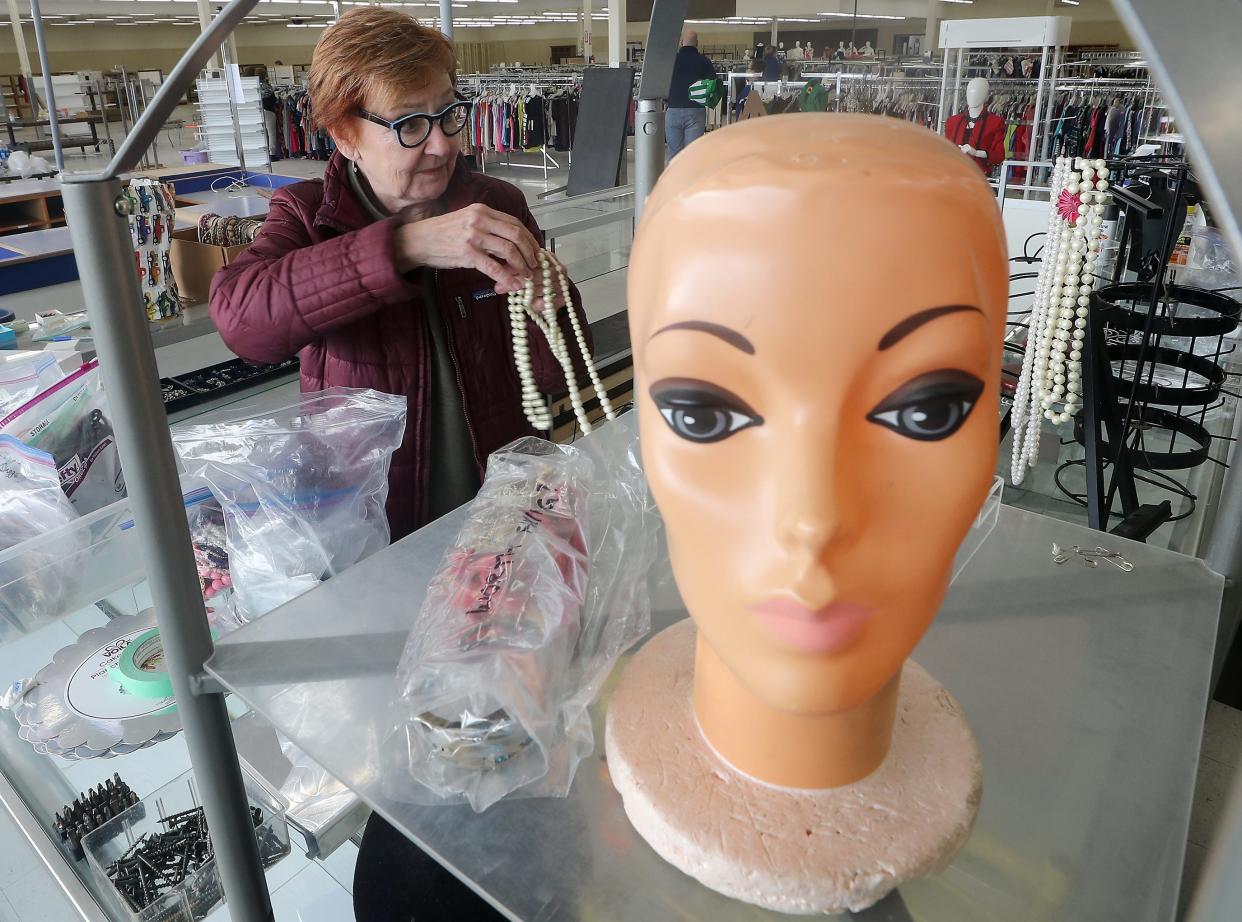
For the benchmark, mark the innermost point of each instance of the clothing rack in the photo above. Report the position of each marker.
(852, 91)
(297, 133)
(1045, 36)
(538, 81)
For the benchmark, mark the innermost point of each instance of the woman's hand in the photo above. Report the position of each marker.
(474, 237)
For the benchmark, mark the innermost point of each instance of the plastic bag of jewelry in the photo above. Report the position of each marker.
(32, 587)
(70, 421)
(207, 536)
(543, 588)
(301, 487)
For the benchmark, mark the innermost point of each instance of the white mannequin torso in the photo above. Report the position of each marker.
(977, 93)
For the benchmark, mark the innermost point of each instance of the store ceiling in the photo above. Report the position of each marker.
(482, 13)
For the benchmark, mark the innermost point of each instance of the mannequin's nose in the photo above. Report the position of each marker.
(811, 513)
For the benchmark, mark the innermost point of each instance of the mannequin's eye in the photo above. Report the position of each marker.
(931, 407)
(702, 412)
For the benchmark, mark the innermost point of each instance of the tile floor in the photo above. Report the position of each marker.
(1220, 766)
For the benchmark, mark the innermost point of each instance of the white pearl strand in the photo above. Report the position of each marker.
(521, 306)
(1052, 366)
(1026, 405)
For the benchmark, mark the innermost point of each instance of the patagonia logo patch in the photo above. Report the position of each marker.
(485, 293)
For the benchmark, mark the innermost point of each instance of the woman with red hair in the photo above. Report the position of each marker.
(392, 273)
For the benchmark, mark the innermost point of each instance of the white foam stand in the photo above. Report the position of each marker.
(790, 850)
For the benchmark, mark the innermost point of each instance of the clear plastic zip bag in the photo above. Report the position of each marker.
(544, 587)
(33, 587)
(302, 487)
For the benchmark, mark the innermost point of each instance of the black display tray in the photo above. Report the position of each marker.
(198, 387)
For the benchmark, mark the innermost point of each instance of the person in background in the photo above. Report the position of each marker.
(772, 65)
(267, 97)
(686, 119)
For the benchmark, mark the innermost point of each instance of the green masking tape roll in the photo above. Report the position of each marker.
(141, 671)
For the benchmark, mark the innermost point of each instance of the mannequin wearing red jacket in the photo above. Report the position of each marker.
(979, 133)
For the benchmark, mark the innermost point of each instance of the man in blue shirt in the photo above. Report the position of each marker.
(686, 119)
(772, 65)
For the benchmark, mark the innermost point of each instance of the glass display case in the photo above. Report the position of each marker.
(71, 601)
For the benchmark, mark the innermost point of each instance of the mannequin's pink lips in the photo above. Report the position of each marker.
(828, 630)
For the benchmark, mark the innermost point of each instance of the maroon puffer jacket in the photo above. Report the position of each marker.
(320, 280)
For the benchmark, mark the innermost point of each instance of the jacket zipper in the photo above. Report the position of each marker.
(461, 387)
(461, 308)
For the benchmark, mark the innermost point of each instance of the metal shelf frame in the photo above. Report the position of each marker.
(97, 215)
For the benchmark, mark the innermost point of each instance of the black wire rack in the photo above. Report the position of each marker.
(1154, 358)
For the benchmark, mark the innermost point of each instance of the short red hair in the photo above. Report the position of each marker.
(371, 57)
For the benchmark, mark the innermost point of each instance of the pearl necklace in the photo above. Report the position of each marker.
(1052, 363)
(521, 306)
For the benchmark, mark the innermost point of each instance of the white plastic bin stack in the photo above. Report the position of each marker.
(217, 122)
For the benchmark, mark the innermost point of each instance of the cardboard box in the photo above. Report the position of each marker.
(195, 263)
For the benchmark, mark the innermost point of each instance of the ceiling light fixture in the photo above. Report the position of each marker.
(861, 16)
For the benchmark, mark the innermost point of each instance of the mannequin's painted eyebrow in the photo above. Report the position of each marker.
(914, 321)
(730, 336)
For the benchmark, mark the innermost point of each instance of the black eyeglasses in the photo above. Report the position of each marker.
(413, 129)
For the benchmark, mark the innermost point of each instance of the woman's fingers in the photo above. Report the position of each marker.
(499, 272)
(507, 252)
(509, 228)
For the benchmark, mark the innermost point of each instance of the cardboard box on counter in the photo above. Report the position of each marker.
(195, 263)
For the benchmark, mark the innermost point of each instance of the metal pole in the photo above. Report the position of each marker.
(48, 88)
(648, 151)
(133, 108)
(1036, 135)
(103, 111)
(446, 18)
(95, 213)
(944, 94)
(664, 31)
(94, 209)
(154, 151)
(957, 80)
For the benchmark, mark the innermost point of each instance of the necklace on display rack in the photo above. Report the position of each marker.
(522, 305)
(1052, 363)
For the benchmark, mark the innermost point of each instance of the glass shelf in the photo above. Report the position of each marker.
(53, 590)
(1085, 688)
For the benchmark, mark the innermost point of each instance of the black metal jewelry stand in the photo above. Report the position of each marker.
(1123, 402)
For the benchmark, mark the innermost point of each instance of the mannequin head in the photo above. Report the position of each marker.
(818, 435)
(977, 93)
